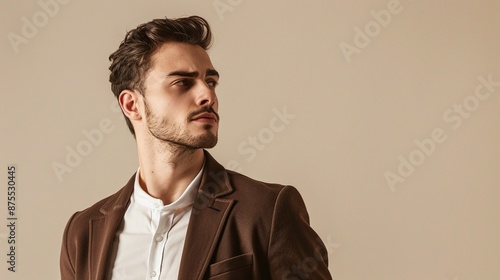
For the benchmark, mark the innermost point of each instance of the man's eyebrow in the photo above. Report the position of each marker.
(183, 74)
(210, 72)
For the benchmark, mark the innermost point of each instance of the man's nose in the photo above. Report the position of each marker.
(205, 95)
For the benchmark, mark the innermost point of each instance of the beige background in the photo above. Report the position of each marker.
(354, 116)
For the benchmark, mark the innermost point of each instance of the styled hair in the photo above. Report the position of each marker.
(132, 60)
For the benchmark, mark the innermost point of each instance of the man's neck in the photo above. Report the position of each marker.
(165, 172)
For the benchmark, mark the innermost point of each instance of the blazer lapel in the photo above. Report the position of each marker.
(207, 220)
(103, 229)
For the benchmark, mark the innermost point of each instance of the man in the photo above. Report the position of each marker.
(182, 215)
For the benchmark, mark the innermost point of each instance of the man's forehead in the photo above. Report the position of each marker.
(175, 56)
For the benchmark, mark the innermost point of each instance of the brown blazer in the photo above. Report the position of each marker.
(239, 229)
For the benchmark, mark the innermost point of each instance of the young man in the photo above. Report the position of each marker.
(182, 215)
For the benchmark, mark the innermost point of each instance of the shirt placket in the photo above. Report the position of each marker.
(161, 223)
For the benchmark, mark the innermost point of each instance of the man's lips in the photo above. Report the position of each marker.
(205, 117)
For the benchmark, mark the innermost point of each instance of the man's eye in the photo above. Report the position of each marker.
(183, 83)
(212, 83)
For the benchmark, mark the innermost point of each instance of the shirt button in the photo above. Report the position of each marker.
(153, 273)
(156, 205)
(159, 238)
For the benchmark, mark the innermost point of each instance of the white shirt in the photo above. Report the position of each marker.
(149, 242)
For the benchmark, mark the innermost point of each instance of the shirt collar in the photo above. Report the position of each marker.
(187, 197)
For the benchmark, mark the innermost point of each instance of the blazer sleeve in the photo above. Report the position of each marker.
(295, 250)
(66, 264)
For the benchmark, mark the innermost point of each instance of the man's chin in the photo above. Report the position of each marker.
(210, 146)
(208, 143)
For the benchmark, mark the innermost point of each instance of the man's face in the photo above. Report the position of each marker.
(180, 104)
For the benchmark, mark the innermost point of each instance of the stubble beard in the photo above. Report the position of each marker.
(175, 136)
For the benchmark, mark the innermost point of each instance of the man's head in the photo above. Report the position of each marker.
(164, 81)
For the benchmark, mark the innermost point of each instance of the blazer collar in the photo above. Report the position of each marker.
(120, 199)
(103, 229)
(214, 184)
(214, 181)
(209, 214)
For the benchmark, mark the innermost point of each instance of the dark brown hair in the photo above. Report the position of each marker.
(131, 62)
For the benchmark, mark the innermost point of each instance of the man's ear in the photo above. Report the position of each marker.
(129, 101)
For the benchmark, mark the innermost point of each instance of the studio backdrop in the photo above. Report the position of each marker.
(383, 113)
